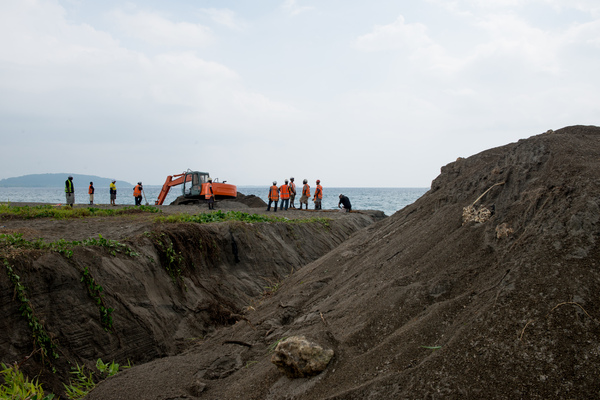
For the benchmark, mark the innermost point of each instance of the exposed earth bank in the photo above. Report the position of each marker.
(499, 304)
(486, 287)
(184, 281)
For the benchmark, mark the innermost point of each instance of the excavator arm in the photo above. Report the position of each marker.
(169, 183)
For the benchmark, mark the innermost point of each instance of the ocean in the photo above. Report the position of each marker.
(388, 200)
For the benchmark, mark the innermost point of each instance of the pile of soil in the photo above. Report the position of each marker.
(428, 303)
(250, 201)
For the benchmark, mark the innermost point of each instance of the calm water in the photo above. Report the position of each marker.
(388, 200)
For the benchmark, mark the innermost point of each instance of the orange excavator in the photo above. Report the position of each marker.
(194, 186)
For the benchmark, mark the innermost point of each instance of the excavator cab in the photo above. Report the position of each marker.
(192, 183)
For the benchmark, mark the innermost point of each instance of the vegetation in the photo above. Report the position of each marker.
(62, 246)
(273, 346)
(17, 386)
(41, 337)
(95, 292)
(64, 212)
(174, 261)
(271, 288)
(220, 216)
(83, 382)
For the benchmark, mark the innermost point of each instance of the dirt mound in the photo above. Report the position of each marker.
(431, 303)
(250, 201)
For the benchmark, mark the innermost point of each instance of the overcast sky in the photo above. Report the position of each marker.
(353, 92)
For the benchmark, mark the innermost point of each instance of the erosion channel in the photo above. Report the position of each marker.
(129, 289)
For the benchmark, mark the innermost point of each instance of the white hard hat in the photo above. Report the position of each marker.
(274, 182)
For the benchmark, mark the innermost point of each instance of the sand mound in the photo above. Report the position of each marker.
(429, 303)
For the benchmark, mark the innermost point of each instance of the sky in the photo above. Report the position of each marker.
(354, 93)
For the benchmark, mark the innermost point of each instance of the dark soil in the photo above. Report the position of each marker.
(187, 281)
(423, 304)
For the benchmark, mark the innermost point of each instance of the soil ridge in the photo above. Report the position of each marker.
(430, 302)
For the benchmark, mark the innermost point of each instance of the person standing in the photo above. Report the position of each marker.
(91, 193)
(292, 192)
(305, 194)
(318, 195)
(273, 196)
(70, 191)
(112, 189)
(137, 194)
(284, 190)
(345, 202)
(209, 195)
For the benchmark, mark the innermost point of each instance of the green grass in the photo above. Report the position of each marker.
(220, 216)
(62, 246)
(65, 212)
(18, 386)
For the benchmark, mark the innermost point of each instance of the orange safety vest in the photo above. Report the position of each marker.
(274, 193)
(306, 191)
(91, 190)
(285, 192)
(137, 192)
(292, 188)
(209, 191)
(319, 192)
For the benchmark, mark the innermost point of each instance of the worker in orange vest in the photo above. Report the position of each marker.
(209, 195)
(284, 190)
(91, 191)
(273, 196)
(137, 194)
(318, 195)
(305, 194)
(292, 192)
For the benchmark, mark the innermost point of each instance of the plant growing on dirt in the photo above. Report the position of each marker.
(174, 264)
(112, 245)
(64, 247)
(273, 346)
(220, 216)
(48, 211)
(83, 382)
(18, 386)
(95, 292)
(271, 288)
(41, 337)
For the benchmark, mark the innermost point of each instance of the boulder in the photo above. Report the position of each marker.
(299, 358)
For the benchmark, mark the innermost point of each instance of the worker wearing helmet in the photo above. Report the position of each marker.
(209, 195)
(70, 191)
(137, 194)
(318, 195)
(273, 196)
(292, 192)
(112, 189)
(284, 190)
(345, 203)
(305, 194)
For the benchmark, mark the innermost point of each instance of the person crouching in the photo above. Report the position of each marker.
(345, 203)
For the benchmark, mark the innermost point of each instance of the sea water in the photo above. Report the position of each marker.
(388, 200)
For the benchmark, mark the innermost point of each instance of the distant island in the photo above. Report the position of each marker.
(58, 180)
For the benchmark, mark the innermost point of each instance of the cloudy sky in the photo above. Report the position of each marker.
(356, 93)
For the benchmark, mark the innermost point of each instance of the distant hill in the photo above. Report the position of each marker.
(58, 180)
